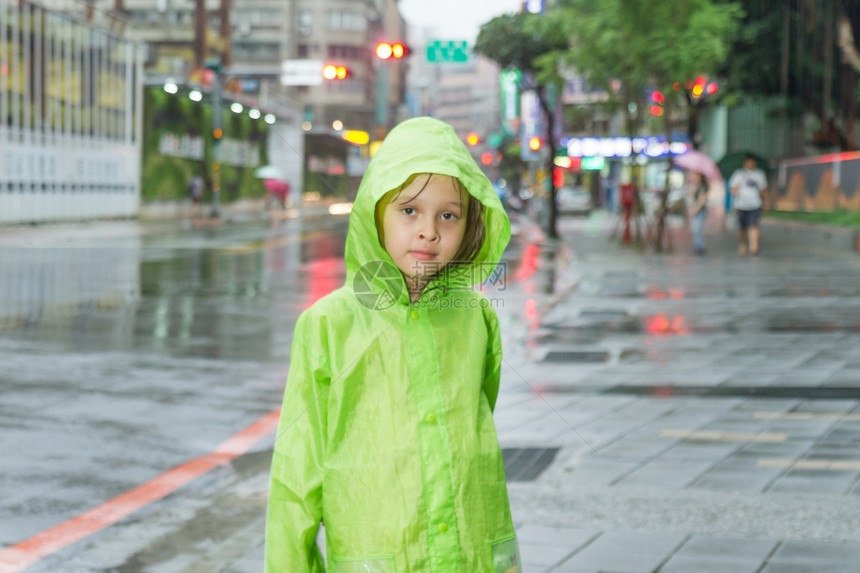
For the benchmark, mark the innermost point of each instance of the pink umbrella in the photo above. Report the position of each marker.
(700, 163)
(278, 188)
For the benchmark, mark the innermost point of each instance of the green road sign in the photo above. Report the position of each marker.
(448, 51)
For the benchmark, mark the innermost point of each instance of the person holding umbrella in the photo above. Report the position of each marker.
(702, 171)
(747, 186)
(699, 210)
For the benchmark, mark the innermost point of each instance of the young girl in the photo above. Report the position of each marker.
(386, 432)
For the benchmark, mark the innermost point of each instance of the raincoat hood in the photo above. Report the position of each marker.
(423, 145)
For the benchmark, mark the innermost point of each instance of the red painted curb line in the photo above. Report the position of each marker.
(23, 554)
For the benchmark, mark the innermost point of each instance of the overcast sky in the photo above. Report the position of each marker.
(455, 19)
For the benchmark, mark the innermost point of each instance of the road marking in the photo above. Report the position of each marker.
(852, 465)
(23, 554)
(723, 436)
(807, 416)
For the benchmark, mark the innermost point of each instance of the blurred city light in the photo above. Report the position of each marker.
(335, 72)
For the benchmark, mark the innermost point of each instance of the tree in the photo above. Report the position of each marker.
(801, 51)
(533, 44)
(636, 47)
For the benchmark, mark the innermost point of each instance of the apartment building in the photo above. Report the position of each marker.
(254, 38)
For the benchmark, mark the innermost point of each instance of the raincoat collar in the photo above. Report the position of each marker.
(419, 145)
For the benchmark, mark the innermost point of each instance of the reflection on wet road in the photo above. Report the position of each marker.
(130, 348)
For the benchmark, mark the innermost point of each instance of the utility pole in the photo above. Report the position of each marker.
(226, 32)
(217, 134)
(199, 33)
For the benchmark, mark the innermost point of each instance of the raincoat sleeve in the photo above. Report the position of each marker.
(295, 491)
(493, 362)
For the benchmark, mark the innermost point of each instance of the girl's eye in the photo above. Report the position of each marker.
(449, 216)
(408, 210)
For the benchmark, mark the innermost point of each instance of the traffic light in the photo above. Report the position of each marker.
(657, 107)
(698, 87)
(217, 133)
(335, 72)
(473, 139)
(535, 143)
(392, 50)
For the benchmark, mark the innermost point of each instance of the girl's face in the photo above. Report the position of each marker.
(424, 225)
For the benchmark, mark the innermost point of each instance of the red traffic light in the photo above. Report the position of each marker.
(657, 97)
(391, 50)
(335, 72)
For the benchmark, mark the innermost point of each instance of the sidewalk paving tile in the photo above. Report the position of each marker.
(786, 567)
(706, 546)
(684, 564)
(543, 546)
(597, 472)
(674, 475)
(818, 553)
(627, 552)
(699, 450)
(825, 482)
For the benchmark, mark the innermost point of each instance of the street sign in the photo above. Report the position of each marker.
(448, 51)
(301, 72)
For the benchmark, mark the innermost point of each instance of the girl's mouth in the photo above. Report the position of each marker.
(422, 255)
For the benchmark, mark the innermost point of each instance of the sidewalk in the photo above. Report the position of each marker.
(658, 414)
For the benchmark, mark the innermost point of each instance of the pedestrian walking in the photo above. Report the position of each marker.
(195, 193)
(747, 186)
(386, 432)
(699, 211)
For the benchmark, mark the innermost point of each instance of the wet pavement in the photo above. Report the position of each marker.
(658, 413)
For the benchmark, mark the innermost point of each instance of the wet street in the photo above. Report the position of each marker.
(653, 407)
(130, 348)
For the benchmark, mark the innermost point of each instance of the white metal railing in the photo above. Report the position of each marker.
(70, 118)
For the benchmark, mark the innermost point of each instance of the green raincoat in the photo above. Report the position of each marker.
(386, 432)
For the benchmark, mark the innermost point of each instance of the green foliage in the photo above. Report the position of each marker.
(753, 64)
(519, 40)
(835, 218)
(800, 40)
(166, 178)
(632, 46)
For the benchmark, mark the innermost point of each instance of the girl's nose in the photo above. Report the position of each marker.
(428, 231)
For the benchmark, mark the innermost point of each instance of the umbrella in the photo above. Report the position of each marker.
(270, 172)
(733, 161)
(700, 163)
(276, 187)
